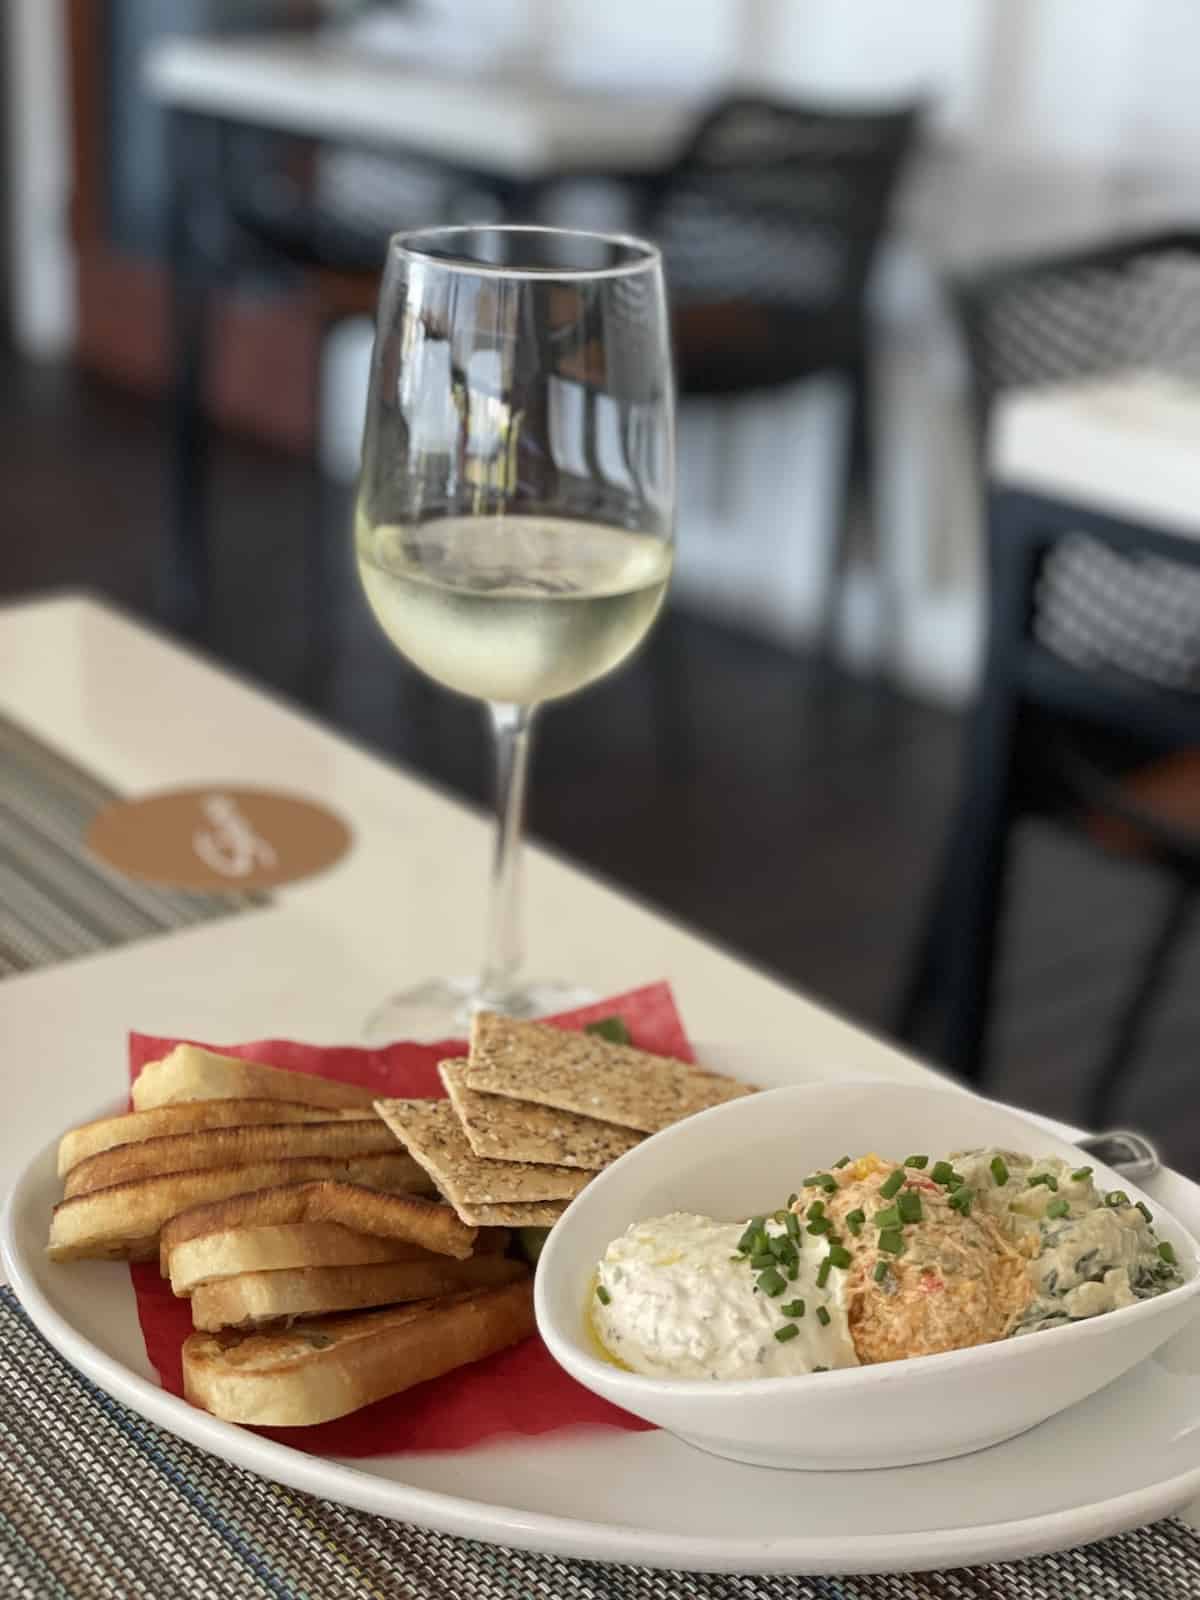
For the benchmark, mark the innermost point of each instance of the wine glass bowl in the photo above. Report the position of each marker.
(515, 518)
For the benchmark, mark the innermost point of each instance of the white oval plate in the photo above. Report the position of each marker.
(1124, 1457)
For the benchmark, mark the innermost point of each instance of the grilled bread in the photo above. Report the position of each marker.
(228, 1147)
(315, 1371)
(190, 1073)
(277, 1246)
(186, 1117)
(257, 1299)
(123, 1222)
(396, 1217)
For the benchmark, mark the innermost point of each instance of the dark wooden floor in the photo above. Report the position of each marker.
(792, 813)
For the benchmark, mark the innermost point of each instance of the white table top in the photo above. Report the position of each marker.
(142, 713)
(405, 903)
(1127, 444)
(514, 126)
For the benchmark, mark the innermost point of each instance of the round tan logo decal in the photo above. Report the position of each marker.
(218, 838)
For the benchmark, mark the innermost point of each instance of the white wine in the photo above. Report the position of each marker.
(514, 609)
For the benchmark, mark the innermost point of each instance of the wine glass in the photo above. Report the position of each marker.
(515, 519)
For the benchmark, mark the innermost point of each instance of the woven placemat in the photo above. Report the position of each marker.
(57, 900)
(97, 1504)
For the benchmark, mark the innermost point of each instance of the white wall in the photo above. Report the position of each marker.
(1163, 125)
(873, 49)
(41, 258)
(1090, 82)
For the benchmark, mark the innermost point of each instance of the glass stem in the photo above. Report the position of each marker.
(503, 953)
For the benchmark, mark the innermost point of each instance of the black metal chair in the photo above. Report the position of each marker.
(1090, 700)
(770, 222)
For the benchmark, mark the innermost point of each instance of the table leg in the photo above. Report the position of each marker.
(193, 249)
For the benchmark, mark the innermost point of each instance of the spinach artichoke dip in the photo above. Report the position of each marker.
(876, 1261)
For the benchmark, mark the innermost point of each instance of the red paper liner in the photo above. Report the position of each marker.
(517, 1391)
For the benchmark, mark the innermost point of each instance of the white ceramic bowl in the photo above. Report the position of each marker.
(744, 1158)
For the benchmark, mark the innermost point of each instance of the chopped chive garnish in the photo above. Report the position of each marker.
(794, 1308)
(1058, 1208)
(820, 1369)
(820, 1225)
(892, 1184)
(792, 1225)
(824, 1319)
(793, 1271)
(753, 1228)
(1080, 1174)
(881, 1271)
(909, 1206)
(762, 1259)
(839, 1255)
(892, 1240)
(772, 1282)
(955, 1181)
(817, 1209)
(1047, 1178)
(890, 1218)
(855, 1220)
(603, 1295)
(844, 1161)
(821, 1180)
(614, 1029)
(788, 1331)
(780, 1217)
(920, 1162)
(942, 1172)
(1167, 1253)
(792, 1198)
(1145, 1210)
(781, 1247)
(999, 1170)
(960, 1201)
(1116, 1197)
(823, 1273)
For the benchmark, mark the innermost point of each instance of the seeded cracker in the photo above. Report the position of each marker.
(500, 1129)
(581, 1073)
(431, 1133)
(516, 1214)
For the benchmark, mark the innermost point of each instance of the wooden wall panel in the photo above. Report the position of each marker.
(263, 362)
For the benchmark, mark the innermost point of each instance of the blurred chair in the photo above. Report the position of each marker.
(1089, 709)
(248, 205)
(770, 222)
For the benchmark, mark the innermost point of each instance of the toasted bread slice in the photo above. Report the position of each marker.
(282, 1245)
(315, 1371)
(278, 1247)
(122, 1223)
(398, 1217)
(258, 1299)
(228, 1147)
(192, 1073)
(187, 1117)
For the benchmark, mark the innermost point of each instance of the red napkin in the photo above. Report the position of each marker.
(518, 1391)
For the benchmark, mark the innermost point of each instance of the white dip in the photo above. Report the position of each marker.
(678, 1306)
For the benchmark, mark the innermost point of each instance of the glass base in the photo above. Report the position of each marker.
(442, 1008)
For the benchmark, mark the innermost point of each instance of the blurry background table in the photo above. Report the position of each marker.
(489, 142)
(503, 127)
(1090, 708)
